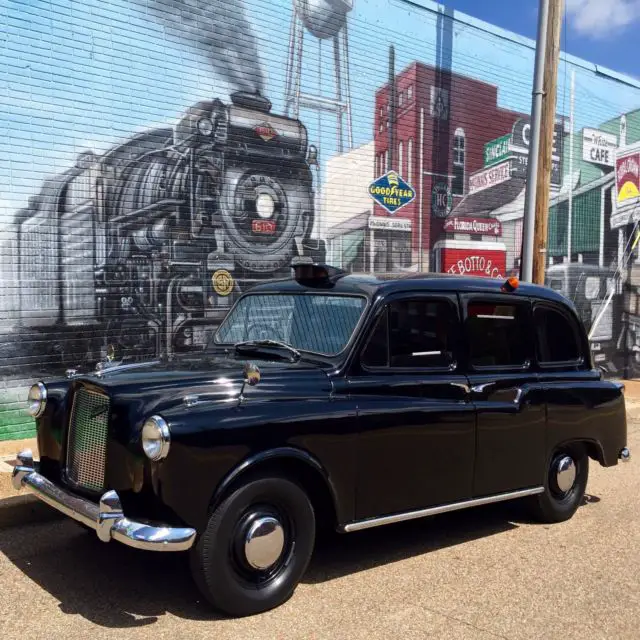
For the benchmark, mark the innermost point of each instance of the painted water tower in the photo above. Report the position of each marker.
(324, 20)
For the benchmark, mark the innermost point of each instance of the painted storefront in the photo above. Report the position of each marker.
(159, 158)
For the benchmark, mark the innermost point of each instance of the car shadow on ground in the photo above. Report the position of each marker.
(114, 586)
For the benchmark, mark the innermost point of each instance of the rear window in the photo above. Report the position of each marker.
(497, 335)
(558, 341)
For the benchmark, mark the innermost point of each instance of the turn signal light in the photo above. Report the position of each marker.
(510, 285)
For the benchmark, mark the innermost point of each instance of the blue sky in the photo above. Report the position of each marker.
(601, 31)
(87, 74)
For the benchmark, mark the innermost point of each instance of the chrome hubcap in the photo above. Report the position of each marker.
(264, 542)
(565, 473)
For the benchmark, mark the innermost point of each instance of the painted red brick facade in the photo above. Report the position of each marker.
(468, 108)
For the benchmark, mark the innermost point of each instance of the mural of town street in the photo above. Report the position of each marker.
(184, 151)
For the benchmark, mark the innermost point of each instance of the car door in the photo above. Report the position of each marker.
(506, 392)
(416, 423)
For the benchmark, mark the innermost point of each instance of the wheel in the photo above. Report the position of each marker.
(564, 486)
(256, 547)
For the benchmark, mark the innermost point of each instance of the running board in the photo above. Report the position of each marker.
(444, 508)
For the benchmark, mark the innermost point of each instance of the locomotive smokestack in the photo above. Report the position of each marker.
(254, 101)
(217, 28)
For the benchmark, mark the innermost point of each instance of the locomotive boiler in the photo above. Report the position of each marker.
(147, 246)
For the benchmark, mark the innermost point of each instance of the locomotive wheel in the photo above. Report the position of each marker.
(256, 547)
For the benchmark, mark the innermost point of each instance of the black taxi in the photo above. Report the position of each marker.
(329, 399)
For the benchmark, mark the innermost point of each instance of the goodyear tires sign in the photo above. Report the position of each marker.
(391, 191)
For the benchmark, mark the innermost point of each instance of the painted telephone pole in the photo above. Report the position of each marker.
(543, 118)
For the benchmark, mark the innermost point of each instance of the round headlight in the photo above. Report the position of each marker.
(265, 205)
(37, 400)
(205, 126)
(156, 438)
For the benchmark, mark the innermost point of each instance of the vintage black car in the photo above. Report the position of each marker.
(328, 399)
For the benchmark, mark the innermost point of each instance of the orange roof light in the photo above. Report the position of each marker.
(510, 285)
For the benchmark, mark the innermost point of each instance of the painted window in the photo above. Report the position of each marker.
(409, 159)
(410, 93)
(401, 158)
(459, 156)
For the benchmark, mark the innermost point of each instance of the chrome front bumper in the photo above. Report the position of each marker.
(106, 518)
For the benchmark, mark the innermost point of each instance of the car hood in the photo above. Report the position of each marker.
(139, 388)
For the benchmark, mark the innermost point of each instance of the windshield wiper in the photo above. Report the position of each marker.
(256, 344)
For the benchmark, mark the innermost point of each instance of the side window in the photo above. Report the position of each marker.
(497, 335)
(557, 337)
(413, 333)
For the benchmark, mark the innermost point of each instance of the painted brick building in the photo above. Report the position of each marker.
(442, 122)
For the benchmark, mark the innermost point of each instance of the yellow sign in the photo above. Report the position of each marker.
(628, 191)
(222, 282)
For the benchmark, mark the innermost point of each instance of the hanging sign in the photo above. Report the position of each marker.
(598, 147)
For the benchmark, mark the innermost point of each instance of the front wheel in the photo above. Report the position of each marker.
(256, 547)
(564, 487)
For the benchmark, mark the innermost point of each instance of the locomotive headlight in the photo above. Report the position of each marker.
(37, 400)
(156, 438)
(205, 126)
(265, 205)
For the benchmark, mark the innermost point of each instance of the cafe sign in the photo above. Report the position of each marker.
(488, 178)
(474, 226)
(598, 147)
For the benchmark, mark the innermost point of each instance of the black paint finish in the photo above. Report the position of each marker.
(369, 442)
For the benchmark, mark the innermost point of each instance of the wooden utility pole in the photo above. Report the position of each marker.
(547, 126)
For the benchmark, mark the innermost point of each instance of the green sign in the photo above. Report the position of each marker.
(497, 150)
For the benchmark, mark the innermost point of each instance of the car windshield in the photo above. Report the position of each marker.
(318, 323)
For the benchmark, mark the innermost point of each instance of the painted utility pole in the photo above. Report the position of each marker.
(547, 127)
(543, 118)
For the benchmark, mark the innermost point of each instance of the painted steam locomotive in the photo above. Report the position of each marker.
(146, 247)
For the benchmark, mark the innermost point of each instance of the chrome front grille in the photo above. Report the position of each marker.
(87, 443)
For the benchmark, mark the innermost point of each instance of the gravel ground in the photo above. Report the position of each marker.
(487, 573)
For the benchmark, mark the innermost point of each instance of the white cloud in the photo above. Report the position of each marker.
(597, 18)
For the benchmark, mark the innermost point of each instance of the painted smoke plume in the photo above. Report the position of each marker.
(217, 28)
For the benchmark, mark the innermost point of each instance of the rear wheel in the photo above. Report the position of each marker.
(565, 485)
(256, 547)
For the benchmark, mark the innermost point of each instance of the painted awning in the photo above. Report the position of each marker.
(483, 203)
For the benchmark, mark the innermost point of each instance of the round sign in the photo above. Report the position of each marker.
(441, 200)
(222, 282)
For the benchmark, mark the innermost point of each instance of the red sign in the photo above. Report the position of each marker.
(266, 227)
(476, 226)
(628, 177)
(266, 131)
(489, 263)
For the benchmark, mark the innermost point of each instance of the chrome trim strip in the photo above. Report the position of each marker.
(107, 518)
(102, 369)
(359, 525)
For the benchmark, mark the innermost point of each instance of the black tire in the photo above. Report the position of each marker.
(555, 505)
(218, 565)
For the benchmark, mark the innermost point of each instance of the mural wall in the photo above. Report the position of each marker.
(159, 158)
